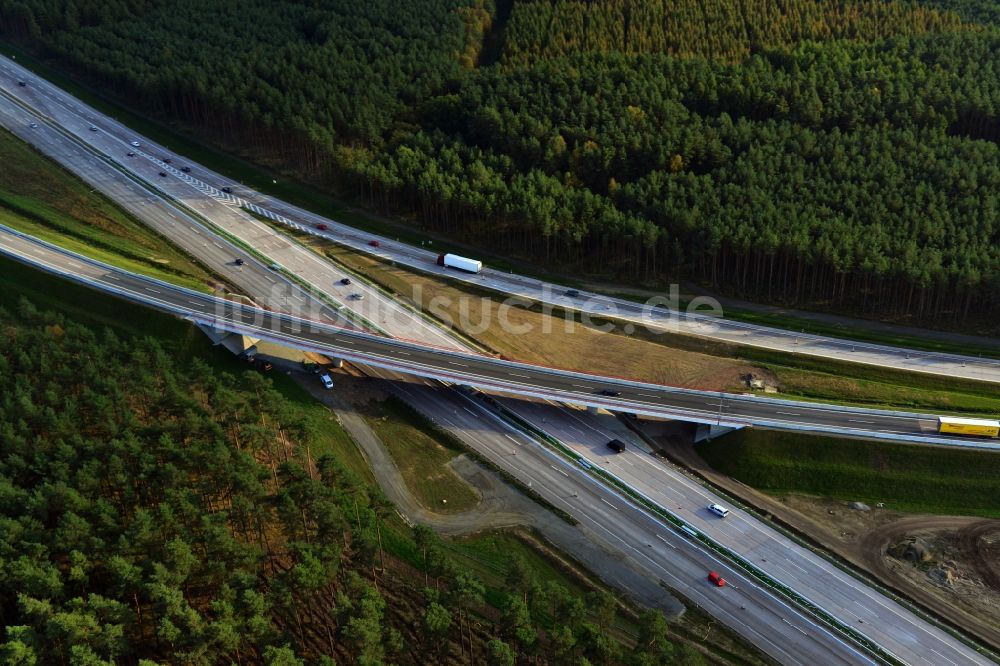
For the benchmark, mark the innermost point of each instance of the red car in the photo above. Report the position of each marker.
(322, 227)
(716, 579)
(373, 243)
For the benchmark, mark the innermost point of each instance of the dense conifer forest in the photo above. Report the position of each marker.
(837, 155)
(159, 511)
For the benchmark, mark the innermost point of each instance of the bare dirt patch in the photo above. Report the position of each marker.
(550, 341)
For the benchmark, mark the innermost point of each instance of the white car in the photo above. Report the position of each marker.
(327, 382)
(718, 510)
(135, 144)
(33, 125)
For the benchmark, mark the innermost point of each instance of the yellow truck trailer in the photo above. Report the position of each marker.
(953, 425)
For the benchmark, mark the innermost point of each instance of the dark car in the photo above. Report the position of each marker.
(22, 83)
(130, 154)
(616, 445)
(610, 393)
(227, 190)
(239, 262)
(167, 160)
(572, 293)
(163, 174)
(346, 281)
(186, 169)
(373, 243)
(322, 227)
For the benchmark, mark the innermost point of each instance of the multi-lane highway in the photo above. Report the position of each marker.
(482, 371)
(114, 139)
(711, 408)
(898, 631)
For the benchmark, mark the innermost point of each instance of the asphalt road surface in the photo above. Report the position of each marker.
(114, 139)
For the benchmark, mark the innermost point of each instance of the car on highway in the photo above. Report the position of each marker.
(93, 128)
(227, 190)
(135, 144)
(327, 382)
(33, 125)
(572, 293)
(616, 445)
(322, 227)
(275, 267)
(718, 510)
(357, 297)
(186, 169)
(716, 579)
(130, 154)
(239, 262)
(611, 393)
(22, 83)
(163, 174)
(345, 281)
(167, 160)
(374, 243)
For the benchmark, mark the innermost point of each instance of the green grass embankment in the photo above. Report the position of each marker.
(906, 477)
(40, 198)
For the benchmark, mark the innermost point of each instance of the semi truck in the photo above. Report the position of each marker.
(953, 425)
(461, 263)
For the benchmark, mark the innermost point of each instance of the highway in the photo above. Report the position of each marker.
(894, 628)
(485, 372)
(167, 298)
(113, 138)
(782, 631)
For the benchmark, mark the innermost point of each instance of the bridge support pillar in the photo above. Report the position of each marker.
(707, 431)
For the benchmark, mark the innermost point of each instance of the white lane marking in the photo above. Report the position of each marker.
(582, 386)
(457, 363)
(860, 421)
(471, 412)
(666, 542)
(195, 303)
(514, 374)
(788, 413)
(216, 245)
(648, 395)
(512, 439)
(403, 353)
(943, 657)
(609, 504)
(155, 291)
(563, 472)
(195, 230)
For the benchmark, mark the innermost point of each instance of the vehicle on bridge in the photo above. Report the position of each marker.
(716, 579)
(461, 263)
(954, 425)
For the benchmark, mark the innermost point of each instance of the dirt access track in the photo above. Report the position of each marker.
(862, 538)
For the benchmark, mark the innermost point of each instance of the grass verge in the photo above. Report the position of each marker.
(422, 456)
(39, 197)
(905, 477)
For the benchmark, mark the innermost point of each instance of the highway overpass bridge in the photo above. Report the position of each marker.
(720, 410)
